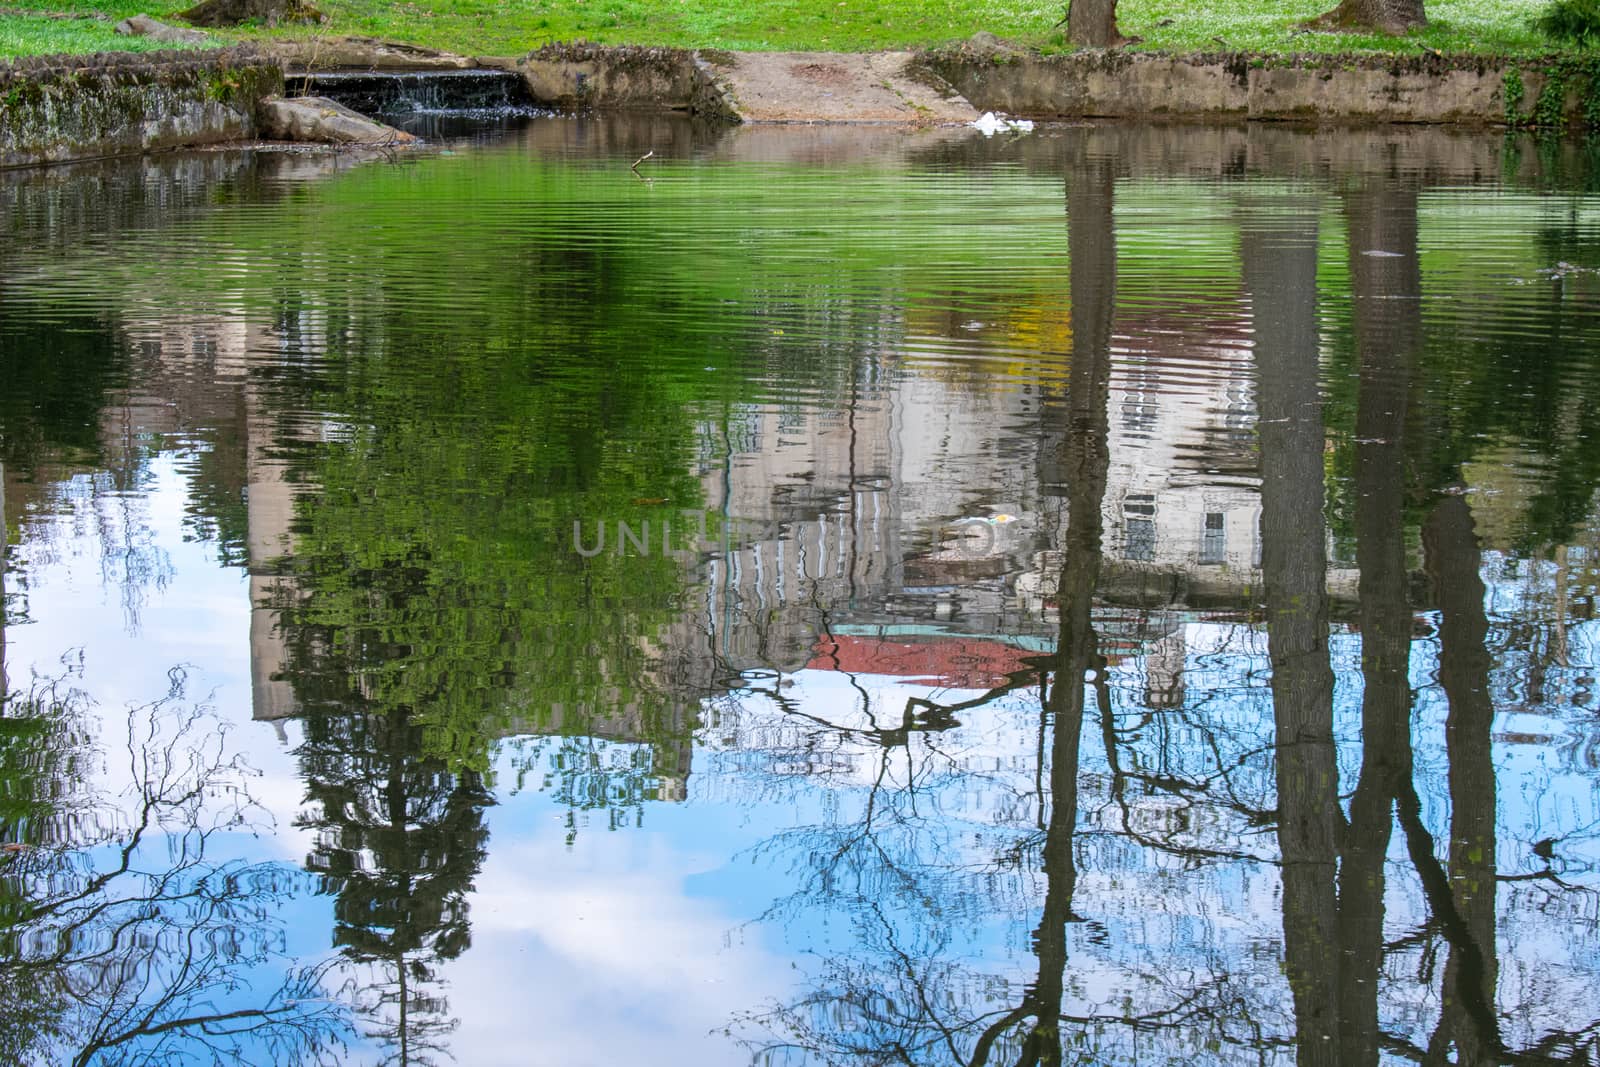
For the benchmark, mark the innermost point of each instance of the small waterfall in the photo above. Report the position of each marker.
(428, 103)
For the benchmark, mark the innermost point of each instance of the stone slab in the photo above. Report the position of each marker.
(316, 118)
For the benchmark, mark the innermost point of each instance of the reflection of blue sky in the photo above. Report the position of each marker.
(197, 619)
(642, 943)
(599, 953)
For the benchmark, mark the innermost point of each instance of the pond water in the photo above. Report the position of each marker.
(1115, 595)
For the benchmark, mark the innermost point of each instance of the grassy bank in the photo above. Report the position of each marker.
(508, 27)
(30, 28)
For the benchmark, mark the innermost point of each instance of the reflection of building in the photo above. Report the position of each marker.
(932, 495)
(876, 507)
(197, 373)
(213, 376)
(1182, 493)
(926, 492)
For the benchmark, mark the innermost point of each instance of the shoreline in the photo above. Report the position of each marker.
(66, 108)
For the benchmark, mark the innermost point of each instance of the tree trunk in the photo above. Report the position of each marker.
(233, 12)
(1384, 16)
(1093, 24)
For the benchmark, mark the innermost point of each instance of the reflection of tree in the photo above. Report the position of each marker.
(400, 839)
(921, 1007)
(1387, 293)
(1092, 246)
(5, 539)
(903, 992)
(1469, 1016)
(122, 940)
(59, 380)
(433, 565)
(1461, 898)
(1280, 271)
(434, 603)
(62, 383)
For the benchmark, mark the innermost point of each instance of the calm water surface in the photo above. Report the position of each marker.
(1113, 596)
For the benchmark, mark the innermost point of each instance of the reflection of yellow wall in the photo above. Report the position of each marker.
(1505, 480)
(1044, 326)
(998, 346)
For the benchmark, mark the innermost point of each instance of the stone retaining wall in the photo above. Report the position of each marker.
(1362, 89)
(581, 76)
(58, 108)
(595, 76)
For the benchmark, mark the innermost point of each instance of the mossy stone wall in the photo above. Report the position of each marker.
(59, 108)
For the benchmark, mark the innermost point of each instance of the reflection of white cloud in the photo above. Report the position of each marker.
(197, 619)
(597, 956)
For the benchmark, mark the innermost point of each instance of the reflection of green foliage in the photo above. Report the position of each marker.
(1535, 389)
(481, 234)
(38, 760)
(1492, 373)
(216, 510)
(411, 836)
(435, 562)
(57, 381)
(433, 567)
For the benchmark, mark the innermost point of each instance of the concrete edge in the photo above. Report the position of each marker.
(56, 109)
(62, 108)
(1354, 90)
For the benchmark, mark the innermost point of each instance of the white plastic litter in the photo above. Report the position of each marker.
(991, 124)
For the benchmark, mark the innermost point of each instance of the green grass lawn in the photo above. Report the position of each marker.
(28, 27)
(509, 27)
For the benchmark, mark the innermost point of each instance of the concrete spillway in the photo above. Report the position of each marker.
(427, 103)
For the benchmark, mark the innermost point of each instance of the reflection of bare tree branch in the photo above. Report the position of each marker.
(135, 942)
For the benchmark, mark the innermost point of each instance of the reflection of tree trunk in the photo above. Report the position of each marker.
(1387, 331)
(1451, 547)
(4, 530)
(1092, 249)
(405, 1020)
(395, 796)
(1280, 264)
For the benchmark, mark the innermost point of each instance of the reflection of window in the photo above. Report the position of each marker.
(1139, 520)
(1139, 407)
(1214, 542)
(1141, 539)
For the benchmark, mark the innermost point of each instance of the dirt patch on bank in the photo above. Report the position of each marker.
(837, 87)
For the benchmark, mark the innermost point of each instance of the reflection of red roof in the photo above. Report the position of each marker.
(951, 662)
